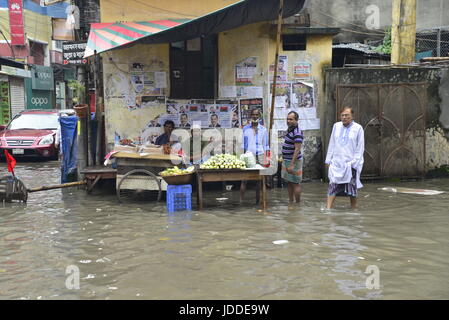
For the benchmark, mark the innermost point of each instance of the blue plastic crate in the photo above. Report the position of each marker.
(179, 197)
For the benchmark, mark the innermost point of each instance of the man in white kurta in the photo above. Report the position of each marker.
(345, 158)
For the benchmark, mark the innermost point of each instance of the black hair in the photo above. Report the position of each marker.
(295, 114)
(169, 122)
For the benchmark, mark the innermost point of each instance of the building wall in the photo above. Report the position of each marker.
(137, 10)
(437, 107)
(120, 119)
(356, 15)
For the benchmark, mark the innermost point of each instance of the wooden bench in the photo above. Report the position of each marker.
(93, 174)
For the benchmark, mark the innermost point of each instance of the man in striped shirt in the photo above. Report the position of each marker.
(292, 157)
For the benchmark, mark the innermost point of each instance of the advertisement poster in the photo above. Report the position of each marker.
(302, 70)
(282, 98)
(282, 70)
(303, 101)
(199, 112)
(249, 92)
(246, 105)
(16, 27)
(137, 82)
(225, 110)
(245, 71)
(150, 84)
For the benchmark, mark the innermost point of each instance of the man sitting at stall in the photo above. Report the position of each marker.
(165, 137)
(255, 140)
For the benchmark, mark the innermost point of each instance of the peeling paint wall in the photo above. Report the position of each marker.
(119, 118)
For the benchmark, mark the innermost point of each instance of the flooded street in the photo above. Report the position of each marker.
(225, 251)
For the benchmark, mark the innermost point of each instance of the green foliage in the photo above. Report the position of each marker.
(385, 47)
(78, 90)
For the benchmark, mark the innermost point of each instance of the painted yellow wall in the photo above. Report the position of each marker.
(129, 123)
(318, 53)
(37, 27)
(144, 10)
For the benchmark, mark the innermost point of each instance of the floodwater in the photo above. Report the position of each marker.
(225, 251)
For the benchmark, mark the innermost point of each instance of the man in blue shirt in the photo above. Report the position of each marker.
(255, 140)
(165, 137)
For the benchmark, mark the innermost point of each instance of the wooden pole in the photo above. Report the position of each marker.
(278, 41)
(403, 32)
(58, 186)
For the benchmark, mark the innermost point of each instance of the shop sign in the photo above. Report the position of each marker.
(16, 72)
(42, 78)
(73, 53)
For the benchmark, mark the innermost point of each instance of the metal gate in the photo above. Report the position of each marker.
(393, 117)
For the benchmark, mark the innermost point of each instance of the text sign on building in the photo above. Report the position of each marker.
(42, 78)
(73, 53)
(17, 30)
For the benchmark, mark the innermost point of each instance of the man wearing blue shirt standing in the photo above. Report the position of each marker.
(255, 140)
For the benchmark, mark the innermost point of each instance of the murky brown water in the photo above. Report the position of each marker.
(225, 251)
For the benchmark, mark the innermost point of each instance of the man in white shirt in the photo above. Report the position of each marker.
(255, 140)
(345, 158)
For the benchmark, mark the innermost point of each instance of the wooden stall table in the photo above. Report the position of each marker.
(136, 171)
(211, 175)
(93, 174)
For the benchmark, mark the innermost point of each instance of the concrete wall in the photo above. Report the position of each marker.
(357, 15)
(133, 10)
(437, 108)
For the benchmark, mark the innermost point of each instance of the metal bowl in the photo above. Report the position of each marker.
(179, 179)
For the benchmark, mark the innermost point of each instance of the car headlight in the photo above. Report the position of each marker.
(46, 140)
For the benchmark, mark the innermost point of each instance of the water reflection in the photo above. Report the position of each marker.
(227, 251)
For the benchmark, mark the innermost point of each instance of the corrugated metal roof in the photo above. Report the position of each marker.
(367, 49)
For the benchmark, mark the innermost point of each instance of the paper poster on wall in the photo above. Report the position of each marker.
(302, 70)
(303, 100)
(160, 79)
(282, 70)
(149, 85)
(249, 92)
(151, 101)
(282, 98)
(228, 91)
(137, 79)
(225, 110)
(245, 71)
(199, 111)
(246, 105)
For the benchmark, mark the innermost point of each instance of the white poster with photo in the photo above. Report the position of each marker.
(225, 110)
(249, 92)
(245, 71)
(303, 100)
(199, 111)
(137, 82)
(282, 97)
(282, 70)
(149, 85)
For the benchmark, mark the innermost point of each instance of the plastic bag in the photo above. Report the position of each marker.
(249, 159)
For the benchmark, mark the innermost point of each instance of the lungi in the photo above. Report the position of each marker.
(344, 189)
(296, 177)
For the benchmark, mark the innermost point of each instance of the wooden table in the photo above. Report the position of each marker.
(206, 175)
(93, 174)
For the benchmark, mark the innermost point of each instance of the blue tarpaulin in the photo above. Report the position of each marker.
(69, 146)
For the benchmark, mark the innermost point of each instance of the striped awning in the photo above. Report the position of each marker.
(107, 36)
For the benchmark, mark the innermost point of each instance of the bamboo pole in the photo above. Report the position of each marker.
(276, 61)
(58, 186)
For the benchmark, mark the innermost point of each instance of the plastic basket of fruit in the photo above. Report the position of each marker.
(176, 176)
